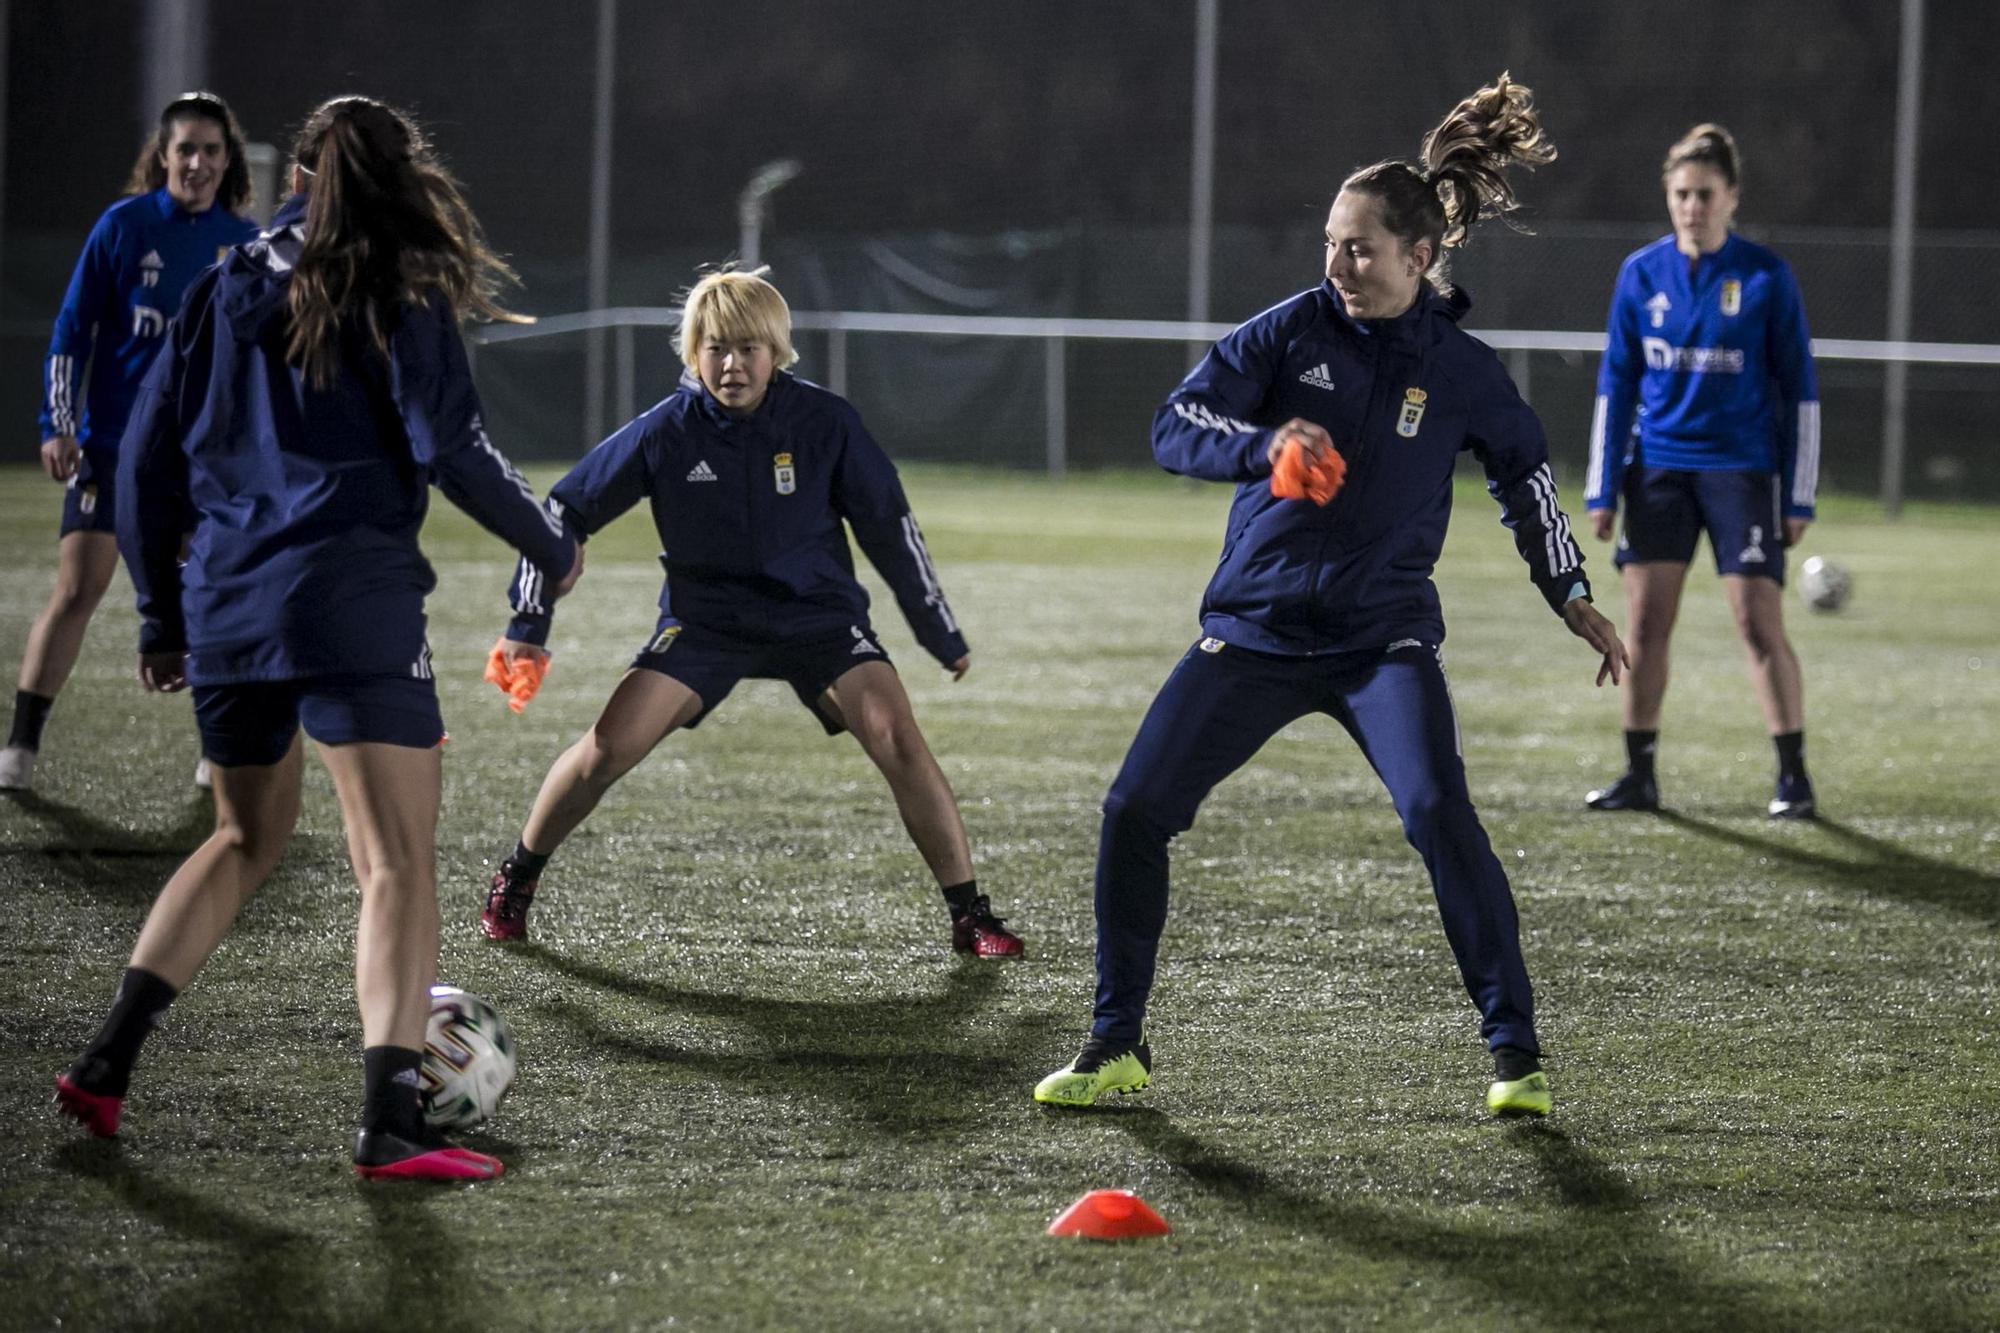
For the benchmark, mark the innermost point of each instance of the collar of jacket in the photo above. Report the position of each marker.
(713, 410)
(1406, 330)
(164, 201)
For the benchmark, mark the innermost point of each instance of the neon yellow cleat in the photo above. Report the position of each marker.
(1522, 1096)
(1104, 1066)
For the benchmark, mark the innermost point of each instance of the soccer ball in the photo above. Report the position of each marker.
(468, 1059)
(1824, 585)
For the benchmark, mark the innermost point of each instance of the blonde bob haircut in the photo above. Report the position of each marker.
(733, 307)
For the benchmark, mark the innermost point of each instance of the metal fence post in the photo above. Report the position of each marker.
(1055, 404)
(836, 360)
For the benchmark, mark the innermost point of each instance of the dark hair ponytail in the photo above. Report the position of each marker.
(149, 169)
(385, 224)
(1462, 177)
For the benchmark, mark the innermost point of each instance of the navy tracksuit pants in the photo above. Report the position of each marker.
(1215, 712)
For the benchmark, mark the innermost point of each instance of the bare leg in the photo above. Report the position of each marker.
(1652, 602)
(643, 710)
(1759, 607)
(85, 562)
(389, 804)
(256, 808)
(872, 702)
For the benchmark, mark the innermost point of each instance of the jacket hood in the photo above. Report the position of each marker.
(256, 278)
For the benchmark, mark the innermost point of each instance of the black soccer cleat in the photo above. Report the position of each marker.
(1793, 799)
(1628, 793)
(382, 1155)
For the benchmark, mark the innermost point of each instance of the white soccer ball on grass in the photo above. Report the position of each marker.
(1825, 585)
(468, 1059)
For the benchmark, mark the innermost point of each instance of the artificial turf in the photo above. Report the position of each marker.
(756, 1088)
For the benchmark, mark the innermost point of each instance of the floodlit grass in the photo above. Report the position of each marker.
(756, 1088)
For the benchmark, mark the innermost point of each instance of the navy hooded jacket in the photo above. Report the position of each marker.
(1401, 398)
(304, 503)
(750, 514)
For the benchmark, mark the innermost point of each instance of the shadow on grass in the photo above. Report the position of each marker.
(887, 1055)
(1597, 1262)
(264, 1267)
(1879, 868)
(76, 831)
(250, 1272)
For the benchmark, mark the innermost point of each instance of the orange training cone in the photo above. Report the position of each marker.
(1109, 1215)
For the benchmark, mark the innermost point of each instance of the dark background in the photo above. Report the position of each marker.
(1033, 158)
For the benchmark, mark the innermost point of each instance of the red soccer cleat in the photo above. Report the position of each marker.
(982, 934)
(507, 903)
(380, 1155)
(94, 1111)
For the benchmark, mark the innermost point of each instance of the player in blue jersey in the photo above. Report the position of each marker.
(753, 477)
(313, 390)
(1708, 349)
(1332, 609)
(188, 190)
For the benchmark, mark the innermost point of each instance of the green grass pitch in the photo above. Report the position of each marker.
(758, 1091)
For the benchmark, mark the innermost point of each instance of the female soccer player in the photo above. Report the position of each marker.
(314, 386)
(186, 193)
(1708, 343)
(750, 473)
(1332, 609)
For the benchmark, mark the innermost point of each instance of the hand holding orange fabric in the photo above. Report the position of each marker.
(517, 671)
(1304, 463)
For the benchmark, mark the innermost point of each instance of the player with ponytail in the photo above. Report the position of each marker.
(314, 388)
(1707, 419)
(1339, 416)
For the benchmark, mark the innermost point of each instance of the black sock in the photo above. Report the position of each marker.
(31, 714)
(958, 897)
(1639, 748)
(391, 1091)
(1511, 1063)
(528, 864)
(1791, 753)
(105, 1067)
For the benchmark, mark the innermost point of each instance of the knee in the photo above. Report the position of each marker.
(892, 742)
(256, 844)
(1432, 813)
(1134, 811)
(602, 758)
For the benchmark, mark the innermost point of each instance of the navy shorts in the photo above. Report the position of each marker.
(1667, 510)
(253, 722)
(90, 504)
(710, 664)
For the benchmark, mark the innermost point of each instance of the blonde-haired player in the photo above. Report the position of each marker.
(754, 477)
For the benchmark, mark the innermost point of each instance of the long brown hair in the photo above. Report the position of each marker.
(149, 170)
(1462, 176)
(385, 224)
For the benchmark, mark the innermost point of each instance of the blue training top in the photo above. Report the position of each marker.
(1401, 398)
(304, 503)
(140, 258)
(1715, 361)
(750, 513)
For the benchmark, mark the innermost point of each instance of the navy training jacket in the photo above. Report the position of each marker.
(750, 512)
(1401, 398)
(304, 504)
